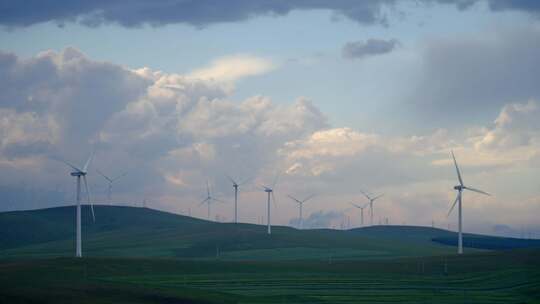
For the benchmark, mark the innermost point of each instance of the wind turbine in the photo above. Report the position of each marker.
(209, 199)
(270, 192)
(235, 186)
(300, 204)
(371, 200)
(78, 173)
(459, 197)
(361, 212)
(111, 181)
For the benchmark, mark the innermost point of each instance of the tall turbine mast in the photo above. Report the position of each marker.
(110, 181)
(235, 186)
(458, 201)
(270, 193)
(209, 199)
(300, 205)
(81, 173)
(361, 212)
(371, 200)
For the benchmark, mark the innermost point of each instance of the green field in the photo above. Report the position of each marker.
(501, 277)
(137, 255)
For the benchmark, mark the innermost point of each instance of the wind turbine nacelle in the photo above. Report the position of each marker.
(459, 188)
(77, 174)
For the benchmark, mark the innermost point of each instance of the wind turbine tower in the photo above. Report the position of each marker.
(361, 212)
(81, 173)
(209, 199)
(235, 186)
(371, 200)
(110, 180)
(459, 188)
(300, 205)
(270, 192)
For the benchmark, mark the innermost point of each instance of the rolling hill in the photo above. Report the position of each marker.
(142, 232)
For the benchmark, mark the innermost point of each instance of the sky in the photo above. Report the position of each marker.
(332, 97)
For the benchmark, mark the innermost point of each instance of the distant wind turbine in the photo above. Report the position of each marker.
(235, 186)
(78, 173)
(361, 212)
(459, 197)
(300, 205)
(110, 180)
(209, 199)
(270, 192)
(371, 200)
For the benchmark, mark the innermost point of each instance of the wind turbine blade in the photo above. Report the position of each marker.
(308, 198)
(275, 180)
(377, 197)
(294, 199)
(245, 181)
(366, 195)
(88, 195)
(476, 190)
(70, 165)
(119, 176)
(457, 169)
(207, 188)
(204, 201)
(453, 205)
(105, 176)
(356, 205)
(231, 179)
(88, 161)
(274, 199)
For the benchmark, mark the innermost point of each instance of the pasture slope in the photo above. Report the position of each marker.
(139, 255)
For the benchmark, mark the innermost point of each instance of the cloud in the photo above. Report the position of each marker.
(171, 132)
(196, 13)
(370, 47)
(26, 133)
(233, 68)
(175, 129)
(532, 7)
(207, 12)
(473, 76)
(321, 219)
(516, 126)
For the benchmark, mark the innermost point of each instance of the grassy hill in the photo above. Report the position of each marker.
(137, 255)
(142, 232)
(489, 277)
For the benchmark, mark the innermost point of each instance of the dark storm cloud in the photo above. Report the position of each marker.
(370, 47)
(531, 6)
(194, 12)
(14, 13)
(473, 77)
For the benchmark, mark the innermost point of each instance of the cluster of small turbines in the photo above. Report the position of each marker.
(81, 174)
(371, 200)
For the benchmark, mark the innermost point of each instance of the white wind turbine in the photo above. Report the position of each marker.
(371, 200)
(209, 199)
(361, 212)
(459, 198)
(110, 181)
(270, 192)
(300, 205)
(235, 186)
(78, 173)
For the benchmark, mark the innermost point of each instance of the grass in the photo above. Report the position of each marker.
(136, 255)
(495, 277)
(141, 232)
